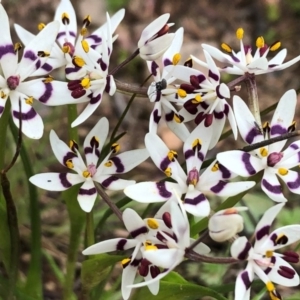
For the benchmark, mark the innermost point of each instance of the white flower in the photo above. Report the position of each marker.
(243, 61)
(268, 265)
(275, 162)
(90, 171)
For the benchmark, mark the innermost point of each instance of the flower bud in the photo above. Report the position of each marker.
(225, 224)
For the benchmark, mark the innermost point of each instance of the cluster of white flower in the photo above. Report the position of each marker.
(161, 243)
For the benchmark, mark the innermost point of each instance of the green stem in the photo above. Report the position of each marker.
(34, 276)
(3, 130)
(90, 237)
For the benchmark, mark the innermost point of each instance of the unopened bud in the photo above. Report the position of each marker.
(225, 224)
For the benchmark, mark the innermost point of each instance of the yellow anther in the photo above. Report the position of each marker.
(65, 18)
(48, 79)
(152, 223)
(115, 147)
(69, 164)
(86, 174)
(283, 171)
(125, 261)
(85, 83)
(269, 253)
(3, 95)
(226, 47)
(41, 26)
(85, 46)
(18, 47)
(270, 286)
(83, 31)
(196, 143)
(73, 145)
(292, 127)
(215, 167)
(240, 33)
(176, 59)
(43, 54)
(275, 46)
(197, 99)
(66, 49)
(266, 126)
(150, 247)
(78, 61)
(108, 164)
(263, 152)
(260, 42)
(181, 93)
(172, 155)
(29, 100)
(282, 239)
(177, 118)
(168, 172)
(87, 21)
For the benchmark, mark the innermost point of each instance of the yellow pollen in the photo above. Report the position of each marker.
(29, 100)
(85, 46)
(86, 174)
(150, 247)
(3, 95)
(172, 155)
(177, 118)
(87, 21)
(269, 253)
(196, 142)
(197, 99)
(275, 46)
(85, 83)
(263, 152)
(125, 261)
(226, 47)
(181, 93)
(83, 31)
(108, 164)
(48, 79)
(115, 147)
(270, 286)
(41, 26)
(215, 167)
(78, 61)
(283, 171)
(18, 47)
(65, 18)
(240, 33)
(69, 164)
(152, 223)
(176, 59)
(66, 49)
(260, 42)
(168, 172)
(43, 54)
(73, 145)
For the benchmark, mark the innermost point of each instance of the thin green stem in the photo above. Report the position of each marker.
(89, 231)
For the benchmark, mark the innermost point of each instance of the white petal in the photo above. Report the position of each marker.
(243, 284)
(174, 48)
(196, 203)
(165, 258)
(113, 183)
(87, 195)
(258, 64)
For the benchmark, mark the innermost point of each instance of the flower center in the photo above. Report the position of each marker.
(13, 82)
(92, 169)
(193, 177)
(274, 158)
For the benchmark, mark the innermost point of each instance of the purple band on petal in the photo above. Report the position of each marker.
(170, 116)
(275, 189)
(269, 269)
(89, 150)
(6, 49)
(225, 172)
(1, 109)
(234, 58)
(200, 78)
(121, 244)
(218, 115)
(94, 99)
(118, 163)
(167, 62)
(108, 84)
(246, 160)
(156, 116)
(106, 183)
(154, 67)
(214, 76)
(189, 153)
(191, 107)
(294, 184)
(135, 263)
(278, 130)
(38, 64)
(294, 146)
(96, 39)
(244, 254)
(68, 156)
(47, 93)
(218, 187)
(88, 192)
(137, 232)
(64, 181)
(30, 54)
(165, 163)
(69, 70)
(25, 116)
(102, 64)
(63, 33)
(264, 231)
(246, 279)
(162, 190)
(195, 201)
(47, 67)
(254, 132)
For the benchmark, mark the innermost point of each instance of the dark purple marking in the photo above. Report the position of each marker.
(214, 76)
(218, 187)
(291, 257)
(235, 59)
(1, 109)
(195, 201)
(162, 190)
(154, 68)
(64, 181)
(120, 245)
(167, 62)
(294, 146)
(47, 67)
(63, 33)
(87, 192)
(244, 254)
(286, 272)
(187, 87)
(275, 189)
(254, 132)
(72, 70)
(165, 163)
(156, 116)
(38, 64)
(6, 49)
(138, 231)
(94, 99)
(102, 64)
(118, 163)
(264, 231)
(25, 116)
(108, 84)
(225, 172)
(96, 39)
(68, 156)
(170, 116)
(47, 93)
(246, 279)
(294, 184)
(278, 130)
(106, 183)
(189, 153)
(89, 150)
(30, 55)
(246, 160)
(191, 107)
(218, 115)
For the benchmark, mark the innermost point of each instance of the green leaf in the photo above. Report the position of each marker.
(177, 290)
(96, 269)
